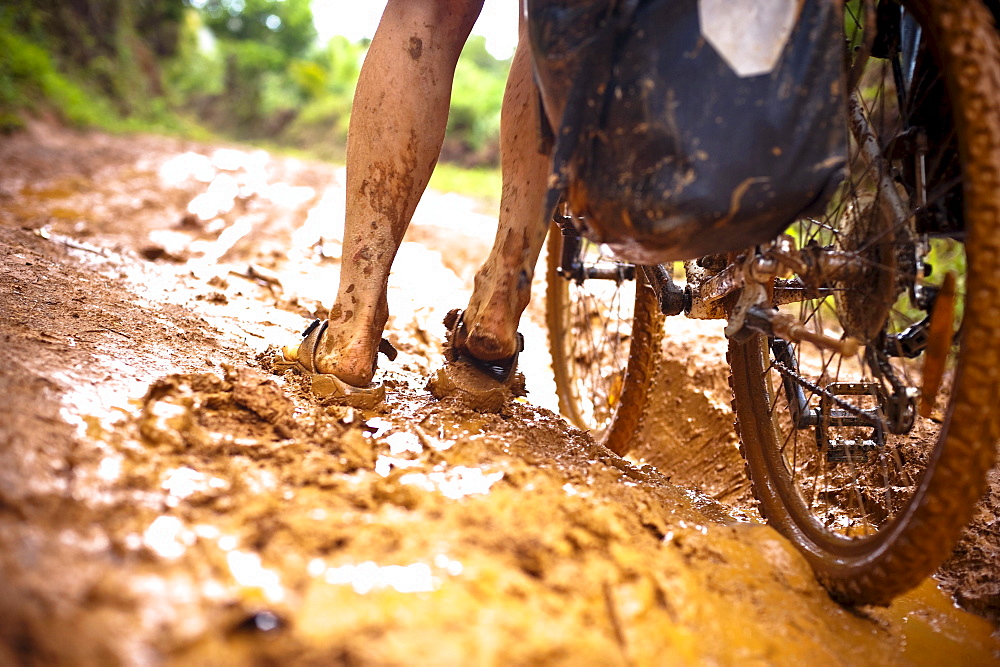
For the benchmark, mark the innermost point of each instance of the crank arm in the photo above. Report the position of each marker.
(772, 322)
(673, 299)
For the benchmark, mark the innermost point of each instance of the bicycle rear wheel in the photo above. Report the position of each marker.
(874, 494)
(604, 337)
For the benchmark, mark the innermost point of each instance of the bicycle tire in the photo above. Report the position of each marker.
(868, 567)
(602, 385)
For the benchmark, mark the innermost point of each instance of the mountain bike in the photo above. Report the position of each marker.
(864, 344)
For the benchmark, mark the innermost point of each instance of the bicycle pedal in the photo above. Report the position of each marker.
(849, 451)
(831, 417)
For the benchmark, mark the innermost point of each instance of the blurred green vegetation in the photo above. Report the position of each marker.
(250, 70)
(480, 182)
(87, 62)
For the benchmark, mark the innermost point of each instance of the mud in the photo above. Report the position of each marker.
(166, 497)
(472, 383)
(970, 576)
(690, 434)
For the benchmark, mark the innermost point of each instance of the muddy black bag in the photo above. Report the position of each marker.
(689, 127)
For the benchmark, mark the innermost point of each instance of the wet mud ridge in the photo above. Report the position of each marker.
(167, 498)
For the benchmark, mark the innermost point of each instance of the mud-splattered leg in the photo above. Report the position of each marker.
(397, 127)
(503, 283)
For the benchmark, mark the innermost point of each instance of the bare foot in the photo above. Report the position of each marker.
(494, 312)
(350, 345)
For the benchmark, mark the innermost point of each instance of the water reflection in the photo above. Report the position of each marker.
(454, 483)
(183, 482)
(247, 570)
(167, 537)
(110, 468)
(230, 175)
(218, 199)
(379, 427)
(178, 169)
(452, 567)
(317, 229)
(369, 576)
(384, 464)
(402, 442)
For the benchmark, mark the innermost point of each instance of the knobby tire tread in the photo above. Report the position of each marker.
(643, 359)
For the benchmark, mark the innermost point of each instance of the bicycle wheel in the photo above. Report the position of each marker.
(604, 336)
(874, 494)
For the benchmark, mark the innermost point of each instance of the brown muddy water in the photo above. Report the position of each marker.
(166, 499)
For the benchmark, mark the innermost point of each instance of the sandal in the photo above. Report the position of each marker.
(485, 386)
(501, 370)
(327, 385)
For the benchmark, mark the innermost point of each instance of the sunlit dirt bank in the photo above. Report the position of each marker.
(166, 498)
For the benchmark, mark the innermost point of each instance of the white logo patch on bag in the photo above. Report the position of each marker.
(748, 34)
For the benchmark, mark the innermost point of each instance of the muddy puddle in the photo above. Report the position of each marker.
(166, 498)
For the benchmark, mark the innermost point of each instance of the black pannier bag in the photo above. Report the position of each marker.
(689, 127)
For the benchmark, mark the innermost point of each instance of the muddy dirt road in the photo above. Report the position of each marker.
(166, 499)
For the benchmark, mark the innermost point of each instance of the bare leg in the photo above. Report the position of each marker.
(503, 284)
(397, 127)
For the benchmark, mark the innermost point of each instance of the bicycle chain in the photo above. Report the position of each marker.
(816, 389)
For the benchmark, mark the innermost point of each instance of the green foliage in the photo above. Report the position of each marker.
(260, 41)
(483, 183)
(195, 72)
(28, 77)
(252, 58)
(283, 25)
(341, 59)
(249, 69)
(326, 83)
(309, 77)
(853, 23)
(477, 96)
(92, 62)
